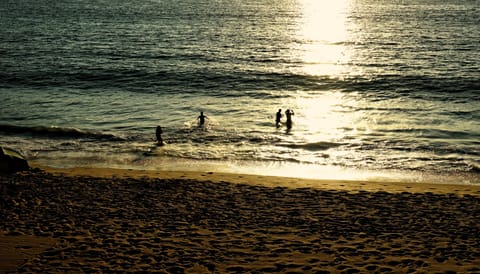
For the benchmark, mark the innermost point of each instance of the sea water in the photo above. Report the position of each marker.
(378, 87)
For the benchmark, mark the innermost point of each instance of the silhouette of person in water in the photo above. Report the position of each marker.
(289, 114)
(201, 119)
(158, 134)
(278, 117)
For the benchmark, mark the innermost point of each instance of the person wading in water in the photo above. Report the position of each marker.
(158, 134)
(289, 114)
(278, 117)
(201, 119)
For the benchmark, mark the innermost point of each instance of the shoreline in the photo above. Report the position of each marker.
(271, 181)
(277, 169)
(103, 219)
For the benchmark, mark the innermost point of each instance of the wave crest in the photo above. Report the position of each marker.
(315, 146)
(52, 131)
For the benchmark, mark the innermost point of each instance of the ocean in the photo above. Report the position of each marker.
(380, 89)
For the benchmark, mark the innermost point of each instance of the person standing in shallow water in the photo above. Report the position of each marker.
(278, 117)
(201, 119)
(158, 134)
(289, 114)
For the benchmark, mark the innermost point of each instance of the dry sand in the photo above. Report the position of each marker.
(102, 220)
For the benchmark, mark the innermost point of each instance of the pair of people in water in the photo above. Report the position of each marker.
(278, 118)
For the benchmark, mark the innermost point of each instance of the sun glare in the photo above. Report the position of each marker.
(322, 33)
(323, 117)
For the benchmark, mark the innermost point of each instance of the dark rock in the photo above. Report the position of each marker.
(12, 161)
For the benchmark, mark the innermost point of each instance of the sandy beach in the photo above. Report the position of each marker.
(102, 220)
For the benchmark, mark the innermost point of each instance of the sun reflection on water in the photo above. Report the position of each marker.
(324, 50)
(323, 33)
(323, 117)
(324, 20)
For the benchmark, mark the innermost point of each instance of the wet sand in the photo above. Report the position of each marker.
(98, 220)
